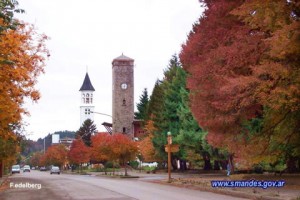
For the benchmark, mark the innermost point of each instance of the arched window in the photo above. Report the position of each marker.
(87, 99)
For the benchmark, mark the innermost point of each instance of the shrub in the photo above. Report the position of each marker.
(134, 164)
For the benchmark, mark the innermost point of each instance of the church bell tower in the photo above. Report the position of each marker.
(87, 100)
(123, 95)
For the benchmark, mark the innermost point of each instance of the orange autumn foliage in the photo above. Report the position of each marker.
(243, 62)
(35, 159)
(56, 155)
(123, 148)
(100, 148)
(146, 147)
(116, 147)
(79, 152)
(22, 59)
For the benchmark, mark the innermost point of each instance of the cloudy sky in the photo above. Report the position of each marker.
(87, 36)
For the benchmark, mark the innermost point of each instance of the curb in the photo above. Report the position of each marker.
(121, 177)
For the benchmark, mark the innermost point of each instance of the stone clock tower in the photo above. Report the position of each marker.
(122, 95)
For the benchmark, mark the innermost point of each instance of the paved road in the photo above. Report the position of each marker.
(43, 186)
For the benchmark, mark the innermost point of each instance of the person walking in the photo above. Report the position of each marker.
(228, 169)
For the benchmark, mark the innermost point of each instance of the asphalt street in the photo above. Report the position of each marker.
(36, 185)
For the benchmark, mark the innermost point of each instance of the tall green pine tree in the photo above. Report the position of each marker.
(167, 120)
(142, 106)
(85, 132)
(174, 115)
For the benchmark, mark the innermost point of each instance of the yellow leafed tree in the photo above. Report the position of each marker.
(22, 59)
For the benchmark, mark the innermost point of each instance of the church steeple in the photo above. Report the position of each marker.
(87, 85)
(87, 107)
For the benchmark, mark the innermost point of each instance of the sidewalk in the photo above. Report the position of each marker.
(291, 189)
(202, 181)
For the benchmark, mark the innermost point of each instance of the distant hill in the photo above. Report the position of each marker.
(30, 146)
(63, 134)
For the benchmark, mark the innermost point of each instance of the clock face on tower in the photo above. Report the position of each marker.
(124, 86)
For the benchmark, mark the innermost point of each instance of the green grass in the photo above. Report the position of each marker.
(102, 170)
(148, 168)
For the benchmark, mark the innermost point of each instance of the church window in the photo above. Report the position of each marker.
(124, 102)
(87, 99)
(124, 130)
(87, 111)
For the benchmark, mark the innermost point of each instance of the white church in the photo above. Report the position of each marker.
(87, 104)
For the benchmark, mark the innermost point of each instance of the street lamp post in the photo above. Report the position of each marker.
(101, 113)
(108, 128)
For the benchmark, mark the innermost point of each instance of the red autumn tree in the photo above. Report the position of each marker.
(101, 149)
(79, 153)
(36, 159)
(219, 50)
(277, 77)
(123, 149)
(56, 155)
(243, 61)
(117, 147)
(42, 160)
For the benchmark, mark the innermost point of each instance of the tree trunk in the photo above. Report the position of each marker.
(207, 164)
(216, 165)
(183, 166)
(291, 164)
(1, 168)
(223, 164)
(174, 163)
(140, 165)
(230, 160)
(125, 169)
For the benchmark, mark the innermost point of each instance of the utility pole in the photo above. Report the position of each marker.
(169, 155)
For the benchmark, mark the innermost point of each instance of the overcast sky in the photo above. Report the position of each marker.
(88, 35)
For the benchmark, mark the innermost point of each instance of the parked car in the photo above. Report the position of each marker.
(43, 169)
(26, 168)
(55, 170)
(15, 169)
